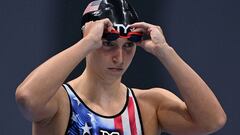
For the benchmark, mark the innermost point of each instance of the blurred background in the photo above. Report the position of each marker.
(204, 33)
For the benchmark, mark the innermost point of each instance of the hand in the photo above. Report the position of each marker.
(93, 31)
(157, 40)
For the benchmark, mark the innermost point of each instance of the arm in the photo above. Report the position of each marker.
(36, 95)
(200, 113)
(200, 103)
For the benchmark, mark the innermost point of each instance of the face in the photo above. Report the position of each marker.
(112, 59)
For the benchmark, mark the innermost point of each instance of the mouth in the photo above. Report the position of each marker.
(116, 69)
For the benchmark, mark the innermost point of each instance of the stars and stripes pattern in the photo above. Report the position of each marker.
(84, 120)
(93, 6)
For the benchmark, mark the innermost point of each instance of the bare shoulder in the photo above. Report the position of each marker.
(150, 91)
(158, 97)
(150, 101)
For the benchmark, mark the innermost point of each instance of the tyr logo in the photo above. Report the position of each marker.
(125, 28)
(106, 133)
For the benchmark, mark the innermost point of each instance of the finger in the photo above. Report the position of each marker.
(156, 28)
(148, 27)
(86, 25)
(146, 43)
(143, 43)
(142, 25)
(139, 30)
(107, 24)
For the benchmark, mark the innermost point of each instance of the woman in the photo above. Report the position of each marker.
(97, 102)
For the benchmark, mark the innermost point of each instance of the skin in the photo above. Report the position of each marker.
(44, 101)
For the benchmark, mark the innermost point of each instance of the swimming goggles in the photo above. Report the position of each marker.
(114, 35)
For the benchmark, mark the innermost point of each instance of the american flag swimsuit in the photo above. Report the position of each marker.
(84, 121)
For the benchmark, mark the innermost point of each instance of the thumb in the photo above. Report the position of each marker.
(146, 45)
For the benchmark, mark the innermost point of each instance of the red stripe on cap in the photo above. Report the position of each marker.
(131, 113)
(118, 124)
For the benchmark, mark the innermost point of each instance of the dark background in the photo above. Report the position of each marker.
(204, 33)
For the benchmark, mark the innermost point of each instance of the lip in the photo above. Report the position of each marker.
(114, 69)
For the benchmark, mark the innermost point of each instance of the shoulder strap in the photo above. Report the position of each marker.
(73, 98)
(69, 91)
(138, 113)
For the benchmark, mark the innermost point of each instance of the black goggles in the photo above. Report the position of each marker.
(114, 35)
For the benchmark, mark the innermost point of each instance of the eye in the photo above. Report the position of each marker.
(108, 43)
(129, 44)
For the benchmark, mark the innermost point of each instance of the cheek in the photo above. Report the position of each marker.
(95, 58)
(129, 53)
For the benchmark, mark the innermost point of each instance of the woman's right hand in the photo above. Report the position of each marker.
(93, 31)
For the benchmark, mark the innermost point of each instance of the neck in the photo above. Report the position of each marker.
(95, 87)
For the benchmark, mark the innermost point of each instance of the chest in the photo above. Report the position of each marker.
(147, 120)
(126, 122)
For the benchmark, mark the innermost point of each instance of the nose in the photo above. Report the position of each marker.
(118, 56)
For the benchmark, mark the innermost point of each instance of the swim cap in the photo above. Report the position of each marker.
(119, 12)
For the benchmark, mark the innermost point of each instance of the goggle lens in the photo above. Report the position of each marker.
(114, 35)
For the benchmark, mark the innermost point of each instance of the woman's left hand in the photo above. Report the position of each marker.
(157, 40)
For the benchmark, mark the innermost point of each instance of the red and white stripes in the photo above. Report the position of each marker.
(128, 122)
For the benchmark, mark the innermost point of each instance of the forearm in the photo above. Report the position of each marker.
(202, 104)
(44, 81)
